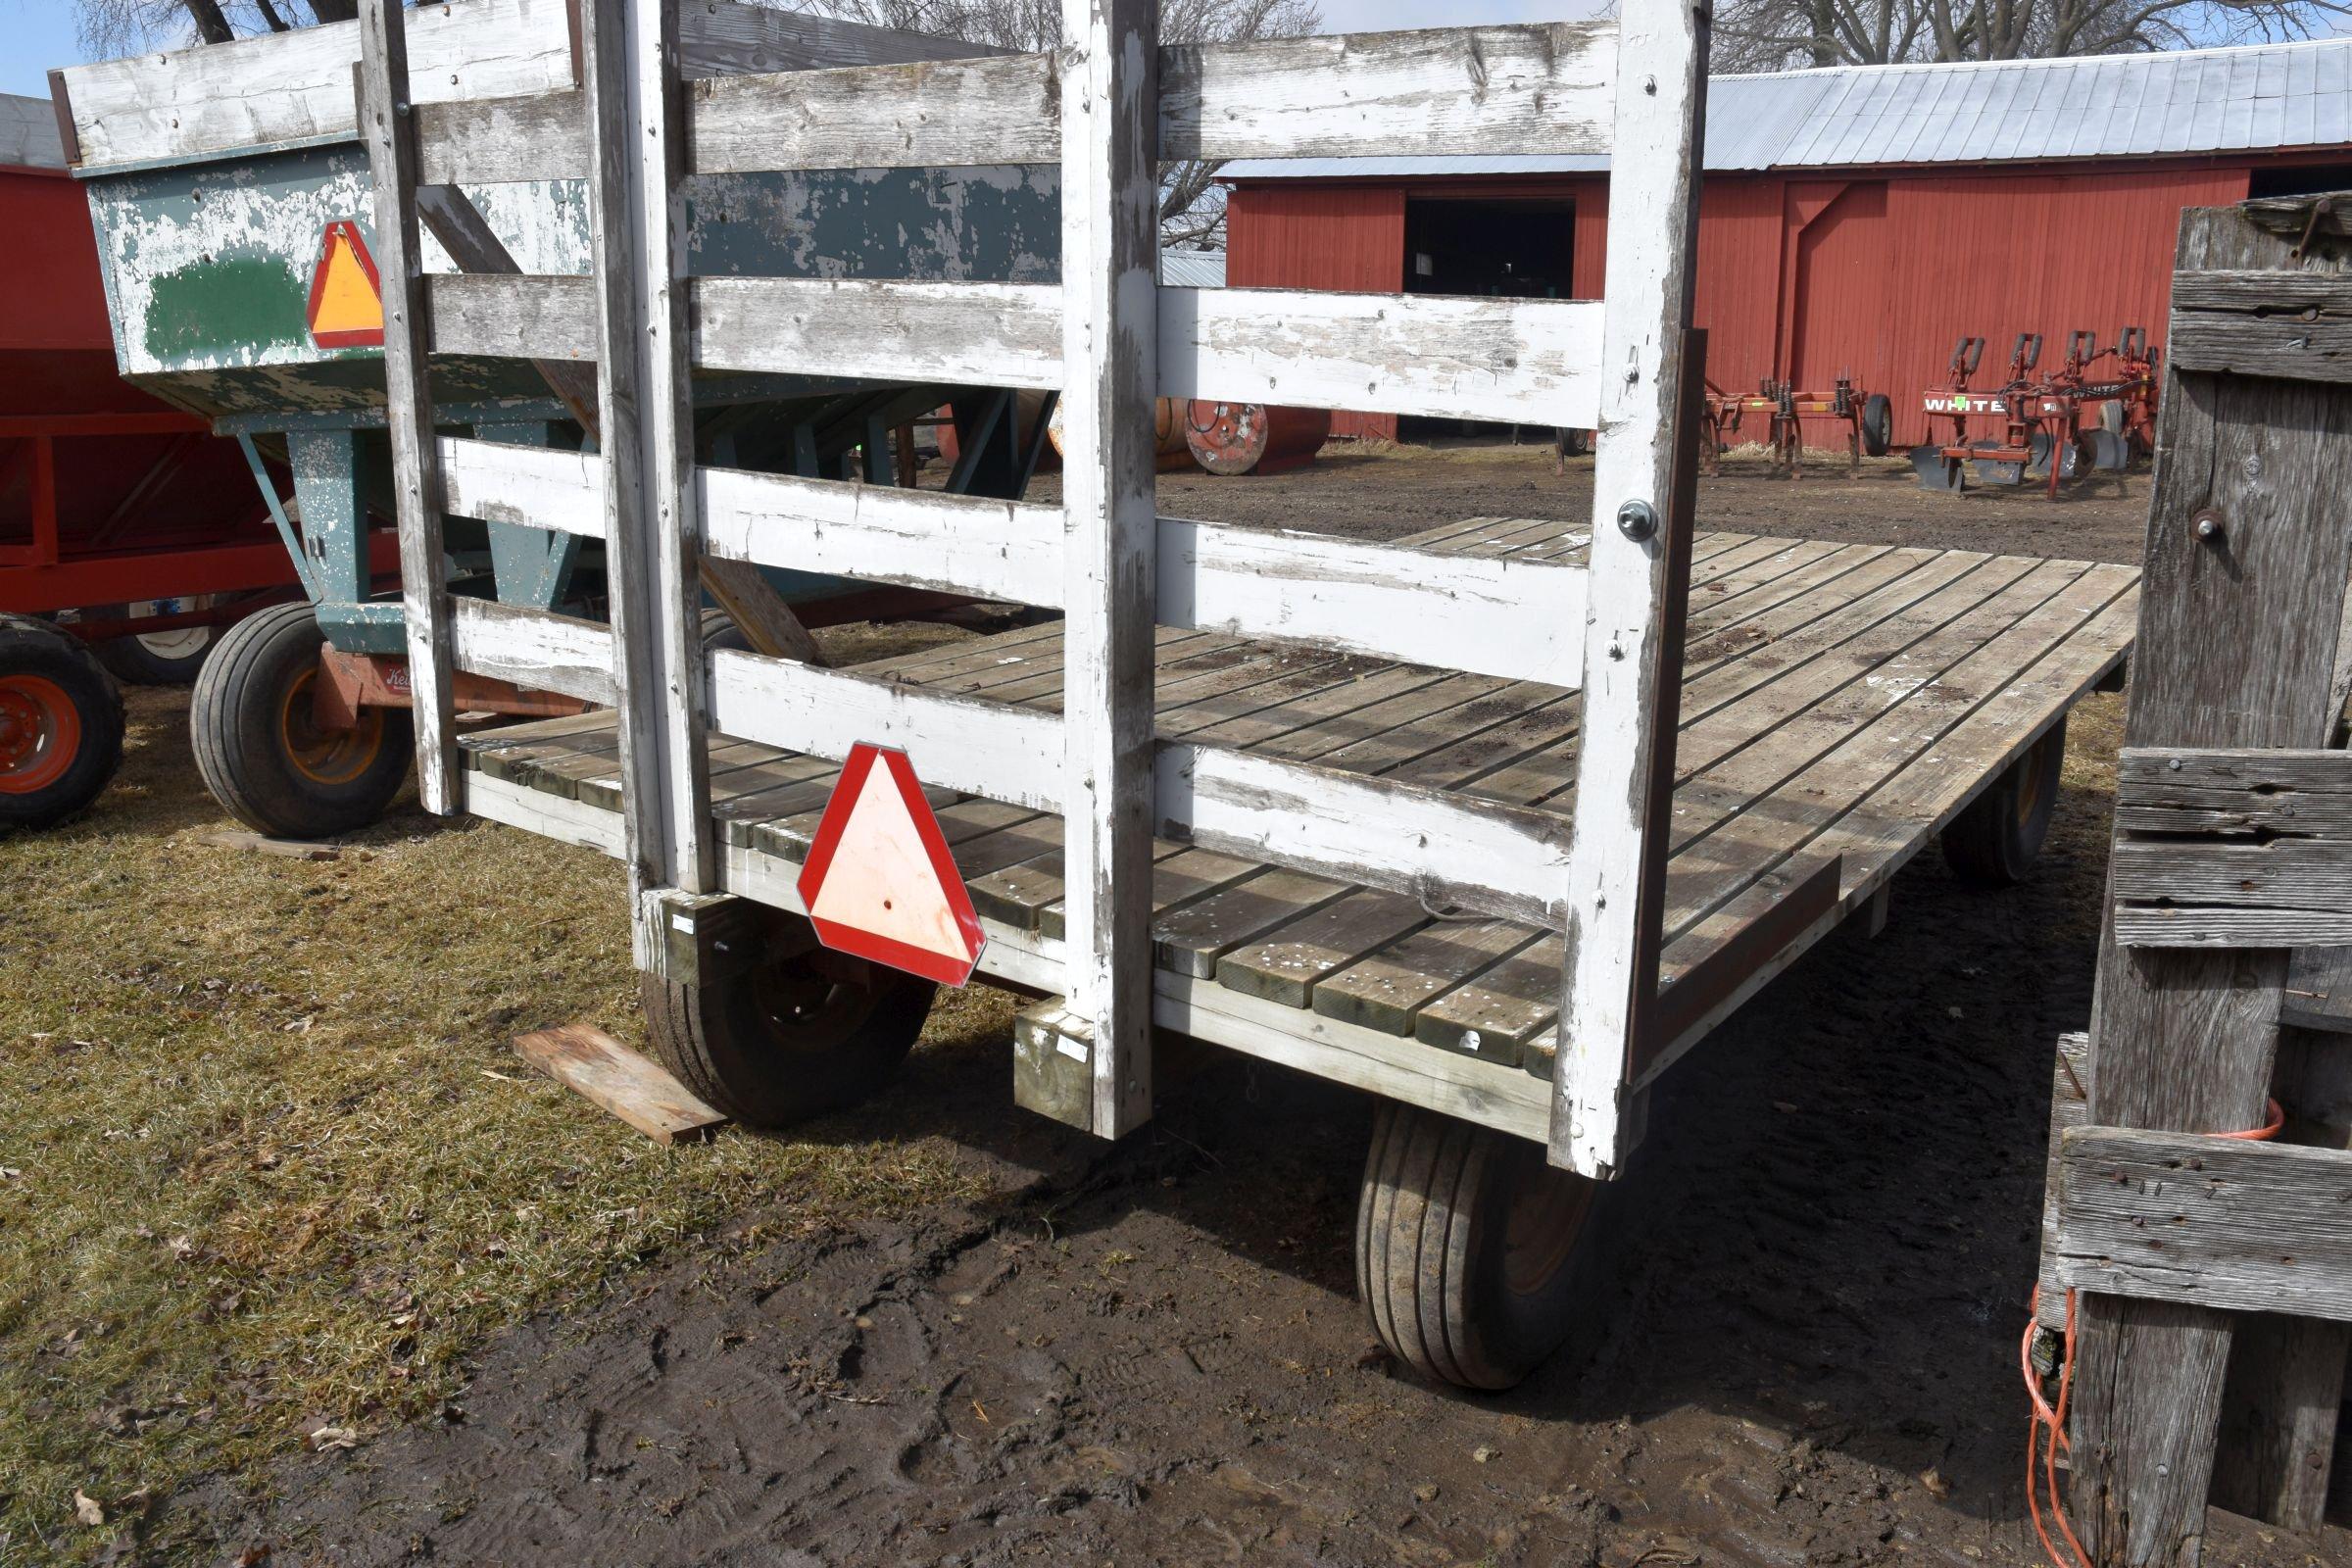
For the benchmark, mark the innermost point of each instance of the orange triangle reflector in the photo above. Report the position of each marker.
(347, 304)
(879, 881)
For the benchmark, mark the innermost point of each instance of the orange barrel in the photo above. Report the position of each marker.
(1167, 433)
(1025, 406)
(1253, 438)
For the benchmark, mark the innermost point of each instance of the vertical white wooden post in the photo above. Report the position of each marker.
(389, 127)
(1654, 193)
(650, 528)
(1109, 244)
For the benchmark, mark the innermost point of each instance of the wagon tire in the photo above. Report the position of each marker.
(1466, 1243)
(787, 1040)
(1995, 840)
(1878, 424)
(268, 762)
(157, 659)
(720, 631)
(60, 725)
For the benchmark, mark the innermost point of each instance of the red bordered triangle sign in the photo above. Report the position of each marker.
(346, 308)
(879, 881)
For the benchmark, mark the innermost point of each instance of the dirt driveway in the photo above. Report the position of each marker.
(1151, 1353)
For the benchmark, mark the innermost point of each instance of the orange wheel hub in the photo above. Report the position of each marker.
(41, 733)
(322, 755)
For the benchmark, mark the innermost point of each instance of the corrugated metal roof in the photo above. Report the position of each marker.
(2097, 105)
(1193, 268)
(28, 132)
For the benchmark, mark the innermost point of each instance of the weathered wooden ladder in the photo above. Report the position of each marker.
(2214, 1274)
(1109, 107)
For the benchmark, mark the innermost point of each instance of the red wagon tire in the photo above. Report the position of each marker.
(60, 725)
(264, 756)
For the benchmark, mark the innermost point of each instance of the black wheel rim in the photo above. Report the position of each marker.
(806, 1012)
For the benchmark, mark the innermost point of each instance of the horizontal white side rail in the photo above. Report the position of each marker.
(1522, 620)
(1542, 89)
(1520, 89)
(532, 649)
(1450, 852)
(1442, 356)
(989, 334)
(491, 141)
(537, 487)
(295, 86)
(934, 114)
(1518, 620)
(1006, 550)
(956, 743)
(512, 316)
(1445, 356)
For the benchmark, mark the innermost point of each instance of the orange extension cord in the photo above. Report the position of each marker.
(2052, 1419)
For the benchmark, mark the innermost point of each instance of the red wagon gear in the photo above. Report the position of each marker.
(128, 532)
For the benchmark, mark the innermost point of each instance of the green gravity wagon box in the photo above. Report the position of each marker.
(230, 196)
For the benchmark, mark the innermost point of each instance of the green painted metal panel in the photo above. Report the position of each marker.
(207, 266)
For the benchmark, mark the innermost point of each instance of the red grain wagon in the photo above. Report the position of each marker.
(128, 532)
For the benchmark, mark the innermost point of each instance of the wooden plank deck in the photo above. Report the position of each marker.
(1839, 700)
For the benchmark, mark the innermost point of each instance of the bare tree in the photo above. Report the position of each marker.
(120, 26)
(1782, 34)
(1191, 204)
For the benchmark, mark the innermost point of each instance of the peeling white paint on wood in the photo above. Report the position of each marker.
(1005, 550)
(1446, 848)
(534, 487)
(534, 650)
(1526, 362)
(1487, 616)
(957, 743)
(1532, 88)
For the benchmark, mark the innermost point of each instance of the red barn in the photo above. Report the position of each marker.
(1855, 220)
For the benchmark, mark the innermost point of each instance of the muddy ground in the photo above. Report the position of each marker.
(1807, 1355)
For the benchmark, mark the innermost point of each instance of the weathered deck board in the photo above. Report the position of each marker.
(1839, 700)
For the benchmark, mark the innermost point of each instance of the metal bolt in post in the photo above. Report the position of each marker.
(2209, 525)
(1638, 520)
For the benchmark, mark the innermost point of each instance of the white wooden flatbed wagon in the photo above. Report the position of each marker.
(1842, 704)
(1494, 822)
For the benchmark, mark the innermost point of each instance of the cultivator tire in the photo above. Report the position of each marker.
(1878, 424)
(1995, 842)
(785, 1041)
(60, 725)
(1465, 1246)
(1934, 472)
(261, 752)
(2110, 453)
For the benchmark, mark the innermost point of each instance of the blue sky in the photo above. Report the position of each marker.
(39, 33)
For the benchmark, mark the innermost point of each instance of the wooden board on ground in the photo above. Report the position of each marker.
(610, 1076)
(237, 837)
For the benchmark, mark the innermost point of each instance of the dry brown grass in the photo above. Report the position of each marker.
(266, 1156)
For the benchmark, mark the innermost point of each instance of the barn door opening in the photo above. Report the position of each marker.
(1494, 247)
